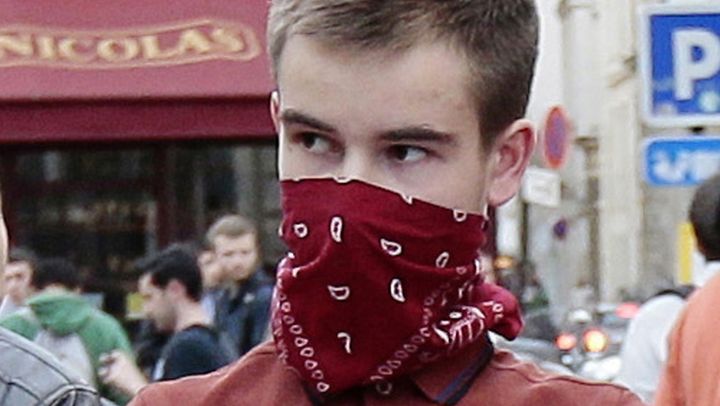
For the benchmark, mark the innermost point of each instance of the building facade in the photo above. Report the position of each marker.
(611, 232)
(126, 127)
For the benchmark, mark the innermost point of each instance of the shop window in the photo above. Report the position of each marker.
(105, 208)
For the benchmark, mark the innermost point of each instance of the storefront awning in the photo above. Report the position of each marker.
(133, 70)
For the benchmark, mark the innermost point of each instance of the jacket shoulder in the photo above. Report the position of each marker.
(258, 378)
(523, 383)
(38, 378)
(23, 323)
(108, 331)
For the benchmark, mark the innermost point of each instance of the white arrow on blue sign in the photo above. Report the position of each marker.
(681, 161)
(680, 65)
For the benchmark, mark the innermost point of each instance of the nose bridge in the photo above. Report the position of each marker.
(358, 165)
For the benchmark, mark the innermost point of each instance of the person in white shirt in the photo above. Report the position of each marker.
(645, 347)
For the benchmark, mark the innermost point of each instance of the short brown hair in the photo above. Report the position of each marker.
(498, 38)
(232, 225)
(705, 217)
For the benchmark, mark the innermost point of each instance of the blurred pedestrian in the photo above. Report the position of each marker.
(242, 311)
(60, 320)
(693, 364)
(212, 278)
(29, 375)
(18, 273)
(645, 346)
(399, 123)
(171, 286)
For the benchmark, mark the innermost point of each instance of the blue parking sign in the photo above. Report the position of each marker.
(680, 65)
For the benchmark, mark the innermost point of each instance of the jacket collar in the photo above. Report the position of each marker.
(447, 381)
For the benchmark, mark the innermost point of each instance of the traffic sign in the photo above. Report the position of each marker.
(541, 186)
(680, 161)
(680, 65)
(557, 136)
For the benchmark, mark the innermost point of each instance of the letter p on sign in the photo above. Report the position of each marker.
(697, 57)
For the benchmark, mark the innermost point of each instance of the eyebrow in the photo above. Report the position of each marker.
(415, 133)
(418, 134)
(292, 116)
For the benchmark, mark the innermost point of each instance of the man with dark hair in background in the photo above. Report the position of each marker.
(18, 273)
(59, 319)
(242, 310)
(691, 373)
(399, 123)
(171, 287)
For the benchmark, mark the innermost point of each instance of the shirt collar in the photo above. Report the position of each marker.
(447, 381)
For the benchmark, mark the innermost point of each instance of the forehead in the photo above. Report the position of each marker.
(146, 287)
(245, 241)
(18, 268)
(426, 84)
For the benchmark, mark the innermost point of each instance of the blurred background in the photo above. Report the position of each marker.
(124, 127)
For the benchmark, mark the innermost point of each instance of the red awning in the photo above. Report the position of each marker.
(133, 70)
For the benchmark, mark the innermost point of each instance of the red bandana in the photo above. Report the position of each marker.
(378, 284)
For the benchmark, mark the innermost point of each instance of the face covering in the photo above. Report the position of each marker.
(378, 284)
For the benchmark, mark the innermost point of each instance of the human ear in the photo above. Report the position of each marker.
(175, 288)
(509, 157)
(275, 110)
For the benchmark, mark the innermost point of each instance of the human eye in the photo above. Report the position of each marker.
(315, 143)
(407, 153)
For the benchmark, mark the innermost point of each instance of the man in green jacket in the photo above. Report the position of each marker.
(60, 320)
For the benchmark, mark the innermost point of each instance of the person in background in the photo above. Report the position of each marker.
(18, 273)
(212, 278)
(693, 362)
(30, 375)
(645, 346)
(60, 320)
(242, 311)
(171, 286)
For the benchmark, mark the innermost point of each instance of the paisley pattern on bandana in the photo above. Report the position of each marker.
(378, 284)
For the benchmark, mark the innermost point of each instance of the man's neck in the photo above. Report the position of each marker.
(237, 285)
(57, 289)
(191, 314)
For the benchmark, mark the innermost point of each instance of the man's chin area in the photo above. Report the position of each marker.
(243, 278)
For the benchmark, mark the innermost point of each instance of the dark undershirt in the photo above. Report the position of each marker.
(192, 351)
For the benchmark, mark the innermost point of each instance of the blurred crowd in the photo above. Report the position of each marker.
(204, 304)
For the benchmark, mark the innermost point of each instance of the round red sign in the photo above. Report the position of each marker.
(557, 136)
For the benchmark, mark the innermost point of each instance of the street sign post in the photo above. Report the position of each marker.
(680, 65)
(681, 161)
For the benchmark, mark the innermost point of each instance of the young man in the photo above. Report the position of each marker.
(399, 122)
(242, 310)
(64, 323)
(18, 273)
(171, 286)
(691, 372)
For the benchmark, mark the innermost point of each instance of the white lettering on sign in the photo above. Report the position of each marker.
(689, 68)
(171, 44)
(697, 165)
